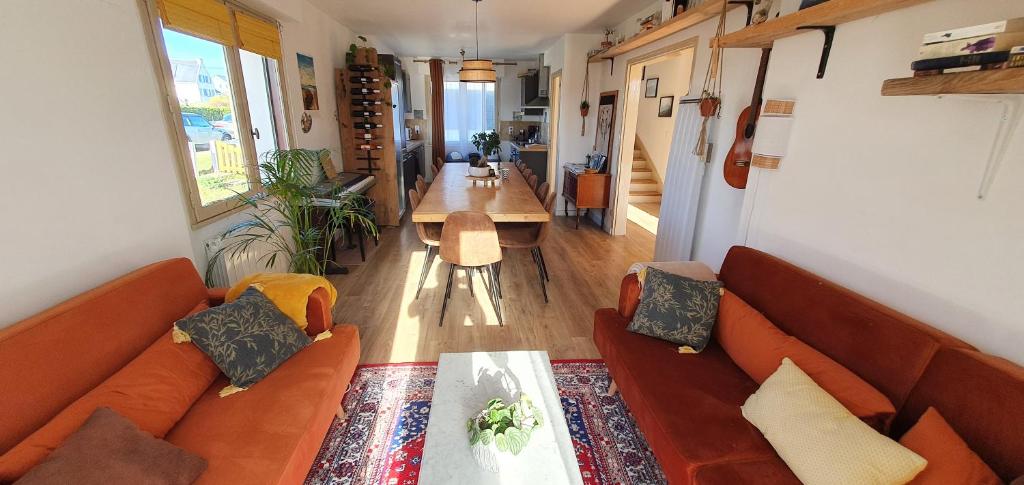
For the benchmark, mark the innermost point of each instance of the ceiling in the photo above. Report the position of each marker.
(509, 29)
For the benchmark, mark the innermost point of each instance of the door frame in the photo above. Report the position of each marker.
(555, 100)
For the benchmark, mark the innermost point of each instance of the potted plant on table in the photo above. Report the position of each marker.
(501, 428)
(284, 221)
(487, 143)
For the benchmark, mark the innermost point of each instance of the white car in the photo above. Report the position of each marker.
(200, 131)
(226, 124)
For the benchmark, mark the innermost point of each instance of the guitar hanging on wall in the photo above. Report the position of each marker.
(737, 162)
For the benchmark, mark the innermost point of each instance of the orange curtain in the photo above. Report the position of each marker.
(437, 107)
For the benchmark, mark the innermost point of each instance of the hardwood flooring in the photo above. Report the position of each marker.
(585, 265)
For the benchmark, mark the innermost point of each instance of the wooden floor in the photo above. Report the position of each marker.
(585, 266)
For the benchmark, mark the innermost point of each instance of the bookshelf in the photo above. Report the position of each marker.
(700, 13)
(830, 13)
(998, 81)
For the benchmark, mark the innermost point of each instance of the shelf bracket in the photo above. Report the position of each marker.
(1008, 124)
(747, 3)
(826, 49)
(612, 71)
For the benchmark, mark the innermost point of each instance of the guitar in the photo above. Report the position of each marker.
(737, 162)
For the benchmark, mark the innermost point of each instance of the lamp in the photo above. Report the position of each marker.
(477, 70)
(771, 140)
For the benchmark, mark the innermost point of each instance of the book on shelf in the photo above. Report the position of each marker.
(1008, 25)
(971, 45)
(1016, 57)
(952, 70)
(961, 61)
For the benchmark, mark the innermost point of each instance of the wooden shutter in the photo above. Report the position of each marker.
(208, 19)
(258, 36)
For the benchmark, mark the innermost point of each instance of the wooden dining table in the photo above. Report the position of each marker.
(452, 190)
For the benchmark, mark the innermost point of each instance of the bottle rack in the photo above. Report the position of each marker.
(366, 126)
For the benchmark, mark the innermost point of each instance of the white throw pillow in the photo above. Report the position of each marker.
(820, 441)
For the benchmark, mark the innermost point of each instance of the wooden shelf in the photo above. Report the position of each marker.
(704, 11)
(830, 13)
(998, 81)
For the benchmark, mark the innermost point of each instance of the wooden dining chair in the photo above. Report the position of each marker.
(527, 173)
(532, 182)
(542, 191)
(438, 165)
(430, 235)
(469, 240)
(421, 186)
(518, 235)
(521, 166)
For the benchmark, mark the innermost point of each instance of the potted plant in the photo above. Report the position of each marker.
(584, 108)
(487, 143)
(501, 428)
(282, 219)
(607, 42)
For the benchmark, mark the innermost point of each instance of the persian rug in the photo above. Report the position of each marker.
(388, 405)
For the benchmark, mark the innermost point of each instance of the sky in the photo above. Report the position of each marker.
(181, 46)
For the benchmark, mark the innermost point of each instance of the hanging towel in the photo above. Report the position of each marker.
(288, 291)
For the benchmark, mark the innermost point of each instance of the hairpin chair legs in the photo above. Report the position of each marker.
(469, 277)
(428, 260)
(490, 284)
(540, 271)
(497, 278)
(543, 265)
(447, 294)
(493, 293)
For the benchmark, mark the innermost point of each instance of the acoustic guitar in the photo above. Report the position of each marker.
(737, 162)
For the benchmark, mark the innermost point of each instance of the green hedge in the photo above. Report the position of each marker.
(211, 114)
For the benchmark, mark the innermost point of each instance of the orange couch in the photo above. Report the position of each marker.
(688, 406)
(269, 434)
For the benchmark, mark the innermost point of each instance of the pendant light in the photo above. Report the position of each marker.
(477, 70)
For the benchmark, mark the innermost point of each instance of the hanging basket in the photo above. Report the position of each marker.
(709, 106)
(584, 111)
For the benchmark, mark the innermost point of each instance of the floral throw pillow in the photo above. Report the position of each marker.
(677, 309)
(247, 338)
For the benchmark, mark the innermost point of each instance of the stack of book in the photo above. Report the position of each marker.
(997, 45)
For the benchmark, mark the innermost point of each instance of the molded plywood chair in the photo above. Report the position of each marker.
(542, 191)
(530, 236)
(421, 186)
(430, 235)
(470, 240)
(438, 165)
(532, 182)
(527, 173)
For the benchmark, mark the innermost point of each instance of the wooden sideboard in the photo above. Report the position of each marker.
(585, 190)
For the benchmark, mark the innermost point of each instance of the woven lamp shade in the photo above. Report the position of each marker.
(477, 71)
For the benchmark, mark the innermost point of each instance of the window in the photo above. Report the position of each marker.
(468, 108)
(223, 132)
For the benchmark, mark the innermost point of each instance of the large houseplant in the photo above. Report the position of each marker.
(283, 221)
(487, 142)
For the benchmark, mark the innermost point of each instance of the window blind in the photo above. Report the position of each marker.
(209, 19)
(258, 36)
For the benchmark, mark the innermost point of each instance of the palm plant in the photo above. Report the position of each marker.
(284, 220)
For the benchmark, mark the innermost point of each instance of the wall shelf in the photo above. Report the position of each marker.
(706, 10)
(830, 13)
(998, 81)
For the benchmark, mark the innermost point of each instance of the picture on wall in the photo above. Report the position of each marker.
(307, 78)
(605, 123)
(652, 88)
(665, 106)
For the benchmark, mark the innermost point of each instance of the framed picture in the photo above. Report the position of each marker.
(652, 88)
(307, 79)
(605, 125)
(665, 106)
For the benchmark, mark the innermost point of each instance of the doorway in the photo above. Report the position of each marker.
(655, 83)
(555, 98)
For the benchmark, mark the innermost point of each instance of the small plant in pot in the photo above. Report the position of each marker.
(584, 108)
(501, 428)
(488, 143)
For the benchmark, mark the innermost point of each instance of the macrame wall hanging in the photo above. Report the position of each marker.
(711, 94)
(584, 103)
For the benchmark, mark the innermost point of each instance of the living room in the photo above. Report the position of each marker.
(430, 204)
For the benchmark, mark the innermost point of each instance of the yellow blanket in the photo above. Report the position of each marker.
(288, 291)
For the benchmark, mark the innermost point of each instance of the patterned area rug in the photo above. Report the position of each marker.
(381, 442)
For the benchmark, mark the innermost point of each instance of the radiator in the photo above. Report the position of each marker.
(228, 269)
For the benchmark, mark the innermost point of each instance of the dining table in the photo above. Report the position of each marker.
(504, 200)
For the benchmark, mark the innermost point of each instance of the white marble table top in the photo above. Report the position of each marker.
(465, 382)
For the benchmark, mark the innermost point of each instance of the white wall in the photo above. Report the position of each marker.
(878, 193)
(656, 132)
(90, 183)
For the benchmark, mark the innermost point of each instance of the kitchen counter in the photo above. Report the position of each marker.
(534, 156)
(412, 145)
(530, 147)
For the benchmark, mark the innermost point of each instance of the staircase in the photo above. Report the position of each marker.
(644, 206)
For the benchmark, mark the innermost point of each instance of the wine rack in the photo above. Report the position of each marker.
(367, 133)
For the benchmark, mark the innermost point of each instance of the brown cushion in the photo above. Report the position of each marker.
(949, 458)
(109, 449)
(758, 347)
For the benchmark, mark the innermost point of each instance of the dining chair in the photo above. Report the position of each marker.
(542, 191)
(469, 240)
(421, 186)
(438, 165)
(430, 235)
(532, 182)
(529, 235)
(527, 173)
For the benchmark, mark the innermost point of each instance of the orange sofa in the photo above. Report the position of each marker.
(688, 406)
(269, 434)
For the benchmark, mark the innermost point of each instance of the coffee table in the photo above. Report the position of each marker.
(464, 384)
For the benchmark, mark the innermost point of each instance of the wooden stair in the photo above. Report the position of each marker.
(642, 185)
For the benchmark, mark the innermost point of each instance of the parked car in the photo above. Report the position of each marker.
(200, 131)
(227, 125)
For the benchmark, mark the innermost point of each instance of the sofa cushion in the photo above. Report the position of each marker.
(677, 309)
(949, 458)
(248, 338)
(272, 432)
(819, 439)
(109, 449)
(55, 357)
(153, 391)
(758, 347)
(687, 405)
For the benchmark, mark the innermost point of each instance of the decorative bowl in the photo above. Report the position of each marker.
(479, 171)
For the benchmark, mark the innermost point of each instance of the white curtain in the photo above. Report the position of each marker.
(681, 196)
(468, 108)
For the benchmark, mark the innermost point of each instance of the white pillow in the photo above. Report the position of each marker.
(820, 441)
